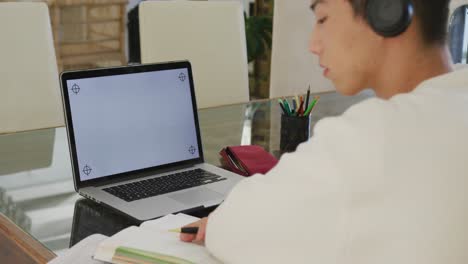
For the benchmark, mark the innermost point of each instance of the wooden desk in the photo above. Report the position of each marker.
(19, 247)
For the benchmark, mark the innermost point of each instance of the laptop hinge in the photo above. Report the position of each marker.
(89, 197)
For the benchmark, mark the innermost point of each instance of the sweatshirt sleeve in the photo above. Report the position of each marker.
(297, 213)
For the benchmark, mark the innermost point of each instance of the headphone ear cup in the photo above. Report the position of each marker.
(389, 18)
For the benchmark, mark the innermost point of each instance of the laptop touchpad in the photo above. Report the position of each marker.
(197, 196)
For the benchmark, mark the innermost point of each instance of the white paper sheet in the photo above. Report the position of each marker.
(154, 236)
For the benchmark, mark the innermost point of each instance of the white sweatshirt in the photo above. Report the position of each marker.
(386, 182)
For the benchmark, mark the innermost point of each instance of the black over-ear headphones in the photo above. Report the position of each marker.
(389, 18)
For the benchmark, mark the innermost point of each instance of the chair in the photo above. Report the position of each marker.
(293, 67)
(211, 35)
(29, 85)
(457, 30)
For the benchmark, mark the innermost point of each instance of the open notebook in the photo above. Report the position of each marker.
(153, 243)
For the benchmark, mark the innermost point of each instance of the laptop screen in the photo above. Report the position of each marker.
(131, 121)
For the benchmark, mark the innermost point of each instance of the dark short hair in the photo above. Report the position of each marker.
(432, 14)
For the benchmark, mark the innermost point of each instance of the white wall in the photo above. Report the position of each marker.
(293, 67)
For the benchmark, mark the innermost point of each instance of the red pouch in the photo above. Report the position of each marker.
(247, 160)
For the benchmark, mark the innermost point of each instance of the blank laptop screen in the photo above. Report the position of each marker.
(133, 121)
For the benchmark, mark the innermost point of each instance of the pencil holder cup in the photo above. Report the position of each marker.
(294, 131)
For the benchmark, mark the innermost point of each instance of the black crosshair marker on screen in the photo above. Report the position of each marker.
(182, 77)
(87, 170)
(75, 88)
(192, 150)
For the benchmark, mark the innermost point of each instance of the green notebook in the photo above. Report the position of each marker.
(132, 255)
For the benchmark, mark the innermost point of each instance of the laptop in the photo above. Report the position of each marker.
(135, 140)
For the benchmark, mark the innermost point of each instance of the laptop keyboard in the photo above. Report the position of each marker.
(161, 185)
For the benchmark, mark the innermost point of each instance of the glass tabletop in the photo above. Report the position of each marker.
(36, 185)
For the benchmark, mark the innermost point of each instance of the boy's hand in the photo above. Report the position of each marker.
(200, 236)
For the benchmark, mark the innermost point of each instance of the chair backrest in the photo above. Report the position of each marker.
(454, 4)
(211, 35)
(293, 67)
(458, 30)
(29, 85)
